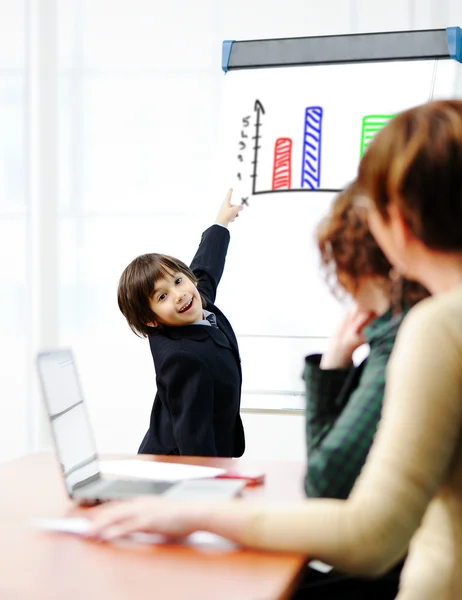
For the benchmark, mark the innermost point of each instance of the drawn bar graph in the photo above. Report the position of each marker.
(282, 156)
(371, 124)
(282, 165)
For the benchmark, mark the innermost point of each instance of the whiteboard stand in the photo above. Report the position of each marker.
(292, 138)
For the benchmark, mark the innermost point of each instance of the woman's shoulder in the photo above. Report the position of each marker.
(436, 316)
(439, 306)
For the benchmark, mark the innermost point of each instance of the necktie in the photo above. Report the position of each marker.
(212, 320)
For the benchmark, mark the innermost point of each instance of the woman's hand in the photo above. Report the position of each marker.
(172, 519)
(347, 337)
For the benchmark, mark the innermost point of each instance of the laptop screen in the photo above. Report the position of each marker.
(70, 424)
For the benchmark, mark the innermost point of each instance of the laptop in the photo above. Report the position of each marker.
(75, 444)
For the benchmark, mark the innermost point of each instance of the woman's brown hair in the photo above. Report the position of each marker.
(415, 162)
(348, 249)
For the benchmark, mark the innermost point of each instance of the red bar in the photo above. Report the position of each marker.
(282, 166)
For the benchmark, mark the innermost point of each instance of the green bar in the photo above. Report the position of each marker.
(371, 124)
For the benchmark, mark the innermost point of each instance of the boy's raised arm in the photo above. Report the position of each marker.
(209, 261)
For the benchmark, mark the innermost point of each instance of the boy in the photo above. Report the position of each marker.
(195, 351)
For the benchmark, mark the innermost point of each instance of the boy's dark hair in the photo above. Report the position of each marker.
(136, 286)
(348, 248)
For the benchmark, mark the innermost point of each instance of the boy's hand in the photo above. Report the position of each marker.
(228, 212)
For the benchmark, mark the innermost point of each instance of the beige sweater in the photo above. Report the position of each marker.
(410, 490)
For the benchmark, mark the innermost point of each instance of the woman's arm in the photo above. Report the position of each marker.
(325, 398)
(343, 406)
(408, 461)
(344, 437)
(370, 531)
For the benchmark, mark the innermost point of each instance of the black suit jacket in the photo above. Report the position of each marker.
(198, 373)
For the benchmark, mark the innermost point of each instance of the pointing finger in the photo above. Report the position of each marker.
(228, 196)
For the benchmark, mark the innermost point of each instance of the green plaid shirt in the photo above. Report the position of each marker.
(343, 410)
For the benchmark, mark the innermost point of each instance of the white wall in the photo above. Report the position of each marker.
(140, 88)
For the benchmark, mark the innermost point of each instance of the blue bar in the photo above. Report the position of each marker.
(311, 156)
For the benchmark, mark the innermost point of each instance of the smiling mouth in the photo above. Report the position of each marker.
(186, 307)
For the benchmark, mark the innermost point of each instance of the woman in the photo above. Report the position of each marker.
(409, 494)
(344, 402)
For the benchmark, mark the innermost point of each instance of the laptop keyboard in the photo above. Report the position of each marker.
(136, 487)
(129, 487)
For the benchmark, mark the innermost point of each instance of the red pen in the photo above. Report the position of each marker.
(247, 476)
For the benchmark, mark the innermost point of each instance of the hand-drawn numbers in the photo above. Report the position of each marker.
(242, 145)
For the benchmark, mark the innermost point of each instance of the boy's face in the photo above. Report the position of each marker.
(176, 301)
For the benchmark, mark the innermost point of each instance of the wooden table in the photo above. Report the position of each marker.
(40, 565)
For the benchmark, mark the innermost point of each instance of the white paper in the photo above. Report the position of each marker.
(157, 471)
(75, 525)
(80, 526)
